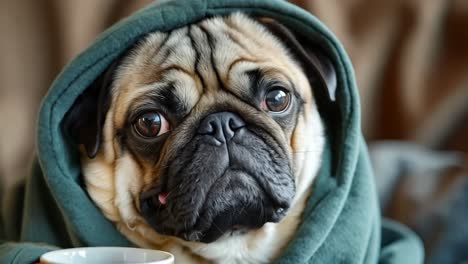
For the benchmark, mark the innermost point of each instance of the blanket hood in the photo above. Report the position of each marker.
(342, 220)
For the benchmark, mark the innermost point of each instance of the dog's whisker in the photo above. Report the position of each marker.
(169, 193)
(242, 210)
(216, 226)
(173, 190)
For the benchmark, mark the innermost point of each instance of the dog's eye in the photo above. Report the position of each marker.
(276, 100)
(151, 124)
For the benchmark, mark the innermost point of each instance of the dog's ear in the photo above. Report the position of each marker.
(85, 119)
(314, 60)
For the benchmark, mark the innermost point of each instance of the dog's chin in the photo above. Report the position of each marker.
(216, 189)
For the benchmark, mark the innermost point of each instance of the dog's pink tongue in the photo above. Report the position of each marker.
(162, 198)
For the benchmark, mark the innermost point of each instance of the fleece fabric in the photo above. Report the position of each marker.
(341, 224)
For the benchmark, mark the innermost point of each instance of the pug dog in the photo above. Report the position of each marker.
(205, 141)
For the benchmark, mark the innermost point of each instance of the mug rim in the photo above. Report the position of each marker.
(48, 257)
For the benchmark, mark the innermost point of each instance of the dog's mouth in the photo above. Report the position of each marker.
(223, 211)
(224, 180)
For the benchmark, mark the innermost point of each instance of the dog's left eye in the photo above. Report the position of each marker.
(276, 100)
(151, 124)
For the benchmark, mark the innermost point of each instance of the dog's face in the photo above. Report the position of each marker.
(204, 131)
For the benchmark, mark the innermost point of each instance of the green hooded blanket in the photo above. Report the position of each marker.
(341, 223)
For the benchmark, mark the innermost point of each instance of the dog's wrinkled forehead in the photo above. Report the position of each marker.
(215, 56)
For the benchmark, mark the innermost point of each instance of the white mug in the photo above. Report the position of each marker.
(118, 255)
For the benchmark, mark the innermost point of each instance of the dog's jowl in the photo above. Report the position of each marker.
(204, 141)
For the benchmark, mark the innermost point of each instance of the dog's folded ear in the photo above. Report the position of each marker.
(85, 119)
(313, 59)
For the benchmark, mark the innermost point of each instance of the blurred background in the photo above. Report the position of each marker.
(411, 63)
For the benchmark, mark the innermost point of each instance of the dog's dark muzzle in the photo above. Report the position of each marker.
(227, 178)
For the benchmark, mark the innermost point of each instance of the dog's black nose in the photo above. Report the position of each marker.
(222, 126)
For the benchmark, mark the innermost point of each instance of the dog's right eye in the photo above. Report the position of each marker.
(151, 124)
